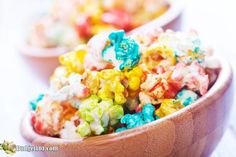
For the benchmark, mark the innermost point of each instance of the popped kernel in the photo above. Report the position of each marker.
(134, 78)
(158, 86)
(49, 116)
(73, 61)
(187, 97)
(168, 106)
(138, 119)
(192, 76)
(97, 115)
(121, 51)
(111, 86)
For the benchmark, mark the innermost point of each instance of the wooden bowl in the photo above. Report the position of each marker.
(45, 60)
(193, 131)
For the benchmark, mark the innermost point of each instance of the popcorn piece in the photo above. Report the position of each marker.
(50, 116)
(185, 45)
(111, 86)
(168, 106)
(94, 60)
(122, 52)
(187, 97)
(68, 88)
(138, 119)
(97, 115)
(134, 78)
(73, 61)
(91, 80)
(69, 131)
(192, 76)
(158, 86)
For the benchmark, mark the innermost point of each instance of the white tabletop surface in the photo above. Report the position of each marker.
(214, 20)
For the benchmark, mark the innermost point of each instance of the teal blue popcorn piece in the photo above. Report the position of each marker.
(148, 112)
(132, 121)
(157, 117)
(34, 103)
(126, 50)
(121, 129)
(187, 97)
(196, 49)
(138, 119)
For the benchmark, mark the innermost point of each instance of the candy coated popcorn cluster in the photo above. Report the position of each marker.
(72, 22)
(118, 82)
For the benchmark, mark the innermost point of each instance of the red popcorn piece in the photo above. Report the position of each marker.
(83, 26)
(119, 18)
(172, 90)
(86, 92)
(138, 109)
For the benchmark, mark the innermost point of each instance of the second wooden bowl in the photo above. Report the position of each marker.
(45, 60)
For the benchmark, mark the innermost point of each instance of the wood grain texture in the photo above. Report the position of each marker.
(192, 131)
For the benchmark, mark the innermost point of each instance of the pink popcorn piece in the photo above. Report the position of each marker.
(191, 76)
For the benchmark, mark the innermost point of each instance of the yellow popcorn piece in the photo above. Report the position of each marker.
(111, 86)
(164, 51)
(168, 106)
(91, 81)
(73, 61)
(134, 78)
(157, 55)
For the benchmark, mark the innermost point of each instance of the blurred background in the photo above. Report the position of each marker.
(215, 21)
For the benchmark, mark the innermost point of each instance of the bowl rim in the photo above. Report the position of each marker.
(174, 10)
(220, 86)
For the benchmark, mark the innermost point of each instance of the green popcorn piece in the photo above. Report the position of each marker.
(105, 120)
(88, 116)
(114, 122)
(97, 128)
(106, 104)
(116, 112)
(90, 102)
(84, 129)
(99, 114)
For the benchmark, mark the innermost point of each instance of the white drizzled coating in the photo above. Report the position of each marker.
(180, 42)
(147, 37)
(68, 88)
(192, 76)
(48, 115)
(95, 47)
(69, 131)
(111, 56)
